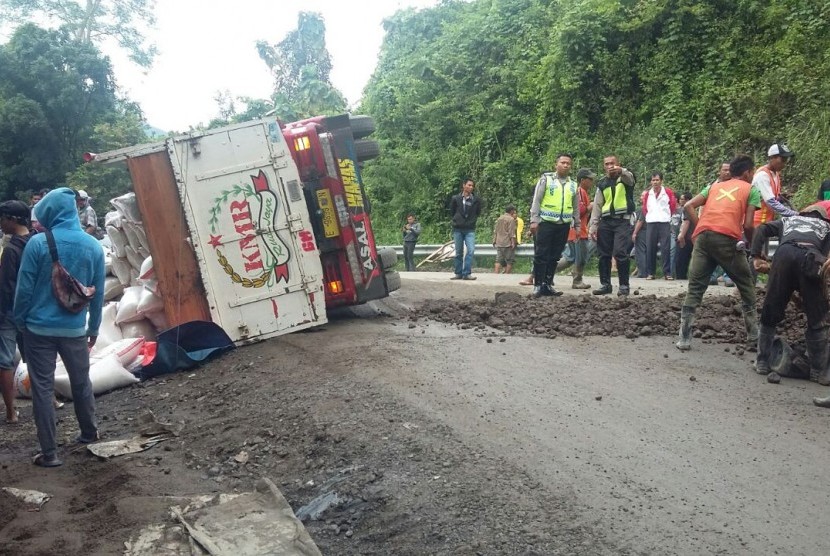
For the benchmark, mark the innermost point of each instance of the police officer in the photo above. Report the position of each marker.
(803, 246)
(611, 223)
(553, 212)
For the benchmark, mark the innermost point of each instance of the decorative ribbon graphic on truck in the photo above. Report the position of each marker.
(263, 253)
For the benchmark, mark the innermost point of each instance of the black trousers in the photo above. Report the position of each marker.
(614, 239)
(658, 233)
(550, 242)
(785, 277)
(683, 256)
(409, 255)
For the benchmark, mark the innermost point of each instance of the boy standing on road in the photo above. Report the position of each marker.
(728, 212)
(14, 221)
(465, 209)
(504, 240)
(411, 230)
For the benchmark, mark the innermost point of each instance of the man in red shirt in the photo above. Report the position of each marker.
(727, 216)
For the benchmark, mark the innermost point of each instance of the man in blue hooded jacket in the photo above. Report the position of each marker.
(48, 328)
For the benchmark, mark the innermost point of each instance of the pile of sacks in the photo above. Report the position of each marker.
(132, 315)
(110, 367)
(130, 276)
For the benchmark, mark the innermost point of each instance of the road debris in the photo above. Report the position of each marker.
(32, 498)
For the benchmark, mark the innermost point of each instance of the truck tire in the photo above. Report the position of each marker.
(362, 126)
(366, 149)
(388, 258)
(393, 281)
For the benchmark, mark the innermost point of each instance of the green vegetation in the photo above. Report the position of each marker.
(493, 89)
(58, 100)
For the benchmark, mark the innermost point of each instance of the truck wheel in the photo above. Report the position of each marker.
(388, 258)
(393, 281)
(362, 126)
(366, 149)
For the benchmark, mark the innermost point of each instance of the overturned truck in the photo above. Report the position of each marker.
(260, 227)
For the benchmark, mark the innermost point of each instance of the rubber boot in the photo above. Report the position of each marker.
(578, 284)
(537, 291)
(684, 337)
(751, 324)
(817, 351)
(765, 338)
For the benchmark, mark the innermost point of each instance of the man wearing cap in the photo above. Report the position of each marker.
(804, 242)
(611, 224)
(578, 240)
(727, 216)
(14, 221)
(553, 212)
(89, 220)
(767, 181)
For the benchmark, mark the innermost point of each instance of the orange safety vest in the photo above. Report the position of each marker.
(584, 217)
(725, 209)
(766, 214)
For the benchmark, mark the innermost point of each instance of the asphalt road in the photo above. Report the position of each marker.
(684, 453)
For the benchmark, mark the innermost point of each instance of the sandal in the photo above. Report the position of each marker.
(42, 461)
(15, 419)
(526, 283)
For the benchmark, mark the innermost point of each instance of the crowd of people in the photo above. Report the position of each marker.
(46, 243)
(724, 228)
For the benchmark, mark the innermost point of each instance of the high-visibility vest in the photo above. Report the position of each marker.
(616, 202)
(558, 202)
(766, 214)
(725, 209)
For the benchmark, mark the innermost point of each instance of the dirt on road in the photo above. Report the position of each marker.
(442, 430)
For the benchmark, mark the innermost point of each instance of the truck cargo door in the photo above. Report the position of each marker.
(251, 231)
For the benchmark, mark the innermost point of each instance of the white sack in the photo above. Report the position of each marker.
(113, 288)
(128, 306)
(140, 328)
(118, 240)
(127, 350)
(105, 374)
(121, 269)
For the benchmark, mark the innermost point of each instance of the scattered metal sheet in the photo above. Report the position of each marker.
(33, 498)
(133, 445)
(259, 522)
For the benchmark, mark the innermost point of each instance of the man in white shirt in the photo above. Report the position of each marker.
(659, 203)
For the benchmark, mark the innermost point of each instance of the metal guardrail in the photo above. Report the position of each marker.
(487, 250)
(484, 250)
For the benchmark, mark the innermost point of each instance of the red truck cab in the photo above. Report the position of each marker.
(328, 152)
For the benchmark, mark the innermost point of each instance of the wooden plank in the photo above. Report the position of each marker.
(174, 261)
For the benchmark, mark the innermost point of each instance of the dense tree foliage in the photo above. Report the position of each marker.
(58, 100)
(93, 21)
(493, 89)
(301, 67)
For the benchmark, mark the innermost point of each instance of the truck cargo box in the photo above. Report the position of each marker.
(229, 230)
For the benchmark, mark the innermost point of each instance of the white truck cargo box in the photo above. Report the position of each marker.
(229, 230)
(250, 230)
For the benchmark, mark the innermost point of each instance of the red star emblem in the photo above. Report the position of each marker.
(215, 241)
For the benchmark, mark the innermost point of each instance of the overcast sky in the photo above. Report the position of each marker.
(210, 46)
